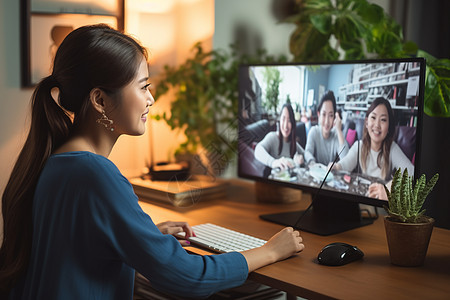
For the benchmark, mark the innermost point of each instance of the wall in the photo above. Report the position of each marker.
(252, 24)
(168, 29)
(13, 100)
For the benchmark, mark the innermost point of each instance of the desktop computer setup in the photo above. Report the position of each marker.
(337, 195)
(356, 85)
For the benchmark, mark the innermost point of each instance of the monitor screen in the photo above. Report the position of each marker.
(360, 120)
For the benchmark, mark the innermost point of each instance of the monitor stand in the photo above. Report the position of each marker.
(327, 216)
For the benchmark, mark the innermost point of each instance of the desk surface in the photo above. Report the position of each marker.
(370, 278)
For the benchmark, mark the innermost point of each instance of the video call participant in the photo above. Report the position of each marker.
(73, 227)
(280, 149)
(326, 139)
(380, 156)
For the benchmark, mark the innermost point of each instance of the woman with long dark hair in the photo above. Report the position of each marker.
(279, 149)
(73, 227)
(380, 156)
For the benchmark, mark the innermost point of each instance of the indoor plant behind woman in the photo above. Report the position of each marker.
(408, 229)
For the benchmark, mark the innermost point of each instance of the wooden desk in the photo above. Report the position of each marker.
(371, 278)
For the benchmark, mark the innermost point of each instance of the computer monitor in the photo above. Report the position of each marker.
(285, 137)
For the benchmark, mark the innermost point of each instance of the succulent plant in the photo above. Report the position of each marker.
(405, 200)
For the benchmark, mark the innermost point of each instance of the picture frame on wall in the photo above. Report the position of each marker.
(42, 32)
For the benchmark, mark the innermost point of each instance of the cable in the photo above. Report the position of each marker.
(320, 188)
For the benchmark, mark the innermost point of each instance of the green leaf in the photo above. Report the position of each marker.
(428, 188)
(403, 200)
(410, 48)
(353, 50)
(322, 23)
(305, 41)
(395, 191)
(437, 92)
(348, 27)
(420, 184)
(370, 13)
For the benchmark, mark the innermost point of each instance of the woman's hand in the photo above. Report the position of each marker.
(172, 228)
(283, 163)
(299, 159)
(282, 245)
(337, 122)
(376, 190)
(337, 166)
(338, 126)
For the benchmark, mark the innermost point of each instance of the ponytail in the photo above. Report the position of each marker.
(49, 129)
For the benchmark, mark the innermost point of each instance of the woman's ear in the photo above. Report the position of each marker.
(96, 96)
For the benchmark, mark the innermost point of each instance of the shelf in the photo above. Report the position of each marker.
(403, 81)
(403, 107)
(357, 92)
(389, 75)
(87, 13)
(355, 108)
(110, 8)
(374, 70)
(372, 81)
(356, 102)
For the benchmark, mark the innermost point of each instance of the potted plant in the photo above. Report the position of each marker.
(408, 229)
(205, 104)
(273, 79)
(356, 29)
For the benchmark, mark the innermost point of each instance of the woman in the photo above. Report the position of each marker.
(380, 155)
(280, 149)
(73, 228)
(326, 139)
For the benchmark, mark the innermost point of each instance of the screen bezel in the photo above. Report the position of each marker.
(333, 193)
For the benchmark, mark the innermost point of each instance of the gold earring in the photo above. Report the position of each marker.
(105, 121)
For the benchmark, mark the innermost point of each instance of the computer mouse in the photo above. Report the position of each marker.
(338, 254)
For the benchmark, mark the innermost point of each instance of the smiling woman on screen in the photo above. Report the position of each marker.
(380, 156)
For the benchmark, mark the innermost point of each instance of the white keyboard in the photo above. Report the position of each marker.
(221, 239)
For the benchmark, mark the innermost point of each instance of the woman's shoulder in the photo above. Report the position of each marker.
(314, 130)
(82, 168)
(314, 133)
(396, 150)
(395, 146)
(83, 163)
(81, 157)
(271, 136)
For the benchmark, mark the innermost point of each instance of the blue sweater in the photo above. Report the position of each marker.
(90, 234)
